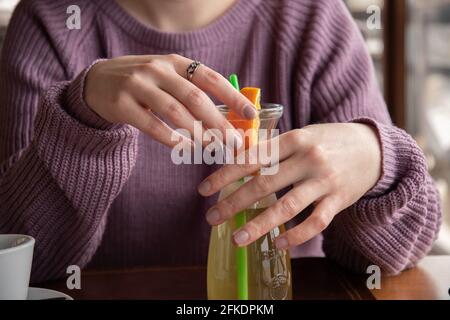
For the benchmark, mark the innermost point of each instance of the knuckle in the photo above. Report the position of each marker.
(297, 138)
(340, 201)
(263, 184)
(331, 177)
(174, 57)
(196, 97)
(320, 221)
(129, 80)
(256, 229)
(152, 67)
(219, 176)
(152, 127)
(317, 155)
(228, 208)
(322, 183)
(211, 76)
(174, 110)
(289, 207)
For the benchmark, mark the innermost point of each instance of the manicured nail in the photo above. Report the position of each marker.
(204, 187)
(213, 216)
(249, 112)
(241, 237)
(282, 243)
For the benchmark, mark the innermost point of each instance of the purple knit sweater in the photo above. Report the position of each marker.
(109, 196)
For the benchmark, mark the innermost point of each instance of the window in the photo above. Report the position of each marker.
(428, 98)
(412, 60)
(6, 9)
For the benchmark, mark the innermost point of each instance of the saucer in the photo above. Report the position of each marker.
(46, 294)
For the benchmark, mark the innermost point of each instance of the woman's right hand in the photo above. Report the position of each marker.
(133, 89)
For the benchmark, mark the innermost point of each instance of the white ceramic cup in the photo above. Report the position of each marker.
(16, 255)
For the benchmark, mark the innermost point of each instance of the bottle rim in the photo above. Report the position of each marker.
(268, 111)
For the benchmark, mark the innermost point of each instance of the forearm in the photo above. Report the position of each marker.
(34, 204)
(61, 166)
(62, 184)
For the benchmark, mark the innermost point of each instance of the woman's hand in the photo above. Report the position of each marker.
(329, 165)
(133, 89)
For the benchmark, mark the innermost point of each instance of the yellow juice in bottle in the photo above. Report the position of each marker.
(269, 269)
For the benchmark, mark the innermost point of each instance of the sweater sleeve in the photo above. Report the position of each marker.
(61, 166)
(395, 224)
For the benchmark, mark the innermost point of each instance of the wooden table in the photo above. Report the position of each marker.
(430, 280)
(313, 278)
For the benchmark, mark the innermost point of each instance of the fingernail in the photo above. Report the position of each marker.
(204, 187)
(282, 243)
(249, 112)
(213, 216)
(241, 237)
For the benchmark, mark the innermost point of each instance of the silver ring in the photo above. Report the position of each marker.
(191, 69)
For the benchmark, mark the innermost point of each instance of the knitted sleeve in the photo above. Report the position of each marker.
(61, 166)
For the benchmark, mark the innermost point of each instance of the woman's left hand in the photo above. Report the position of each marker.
(329, 165)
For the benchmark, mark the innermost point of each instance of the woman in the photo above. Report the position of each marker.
(85, 171)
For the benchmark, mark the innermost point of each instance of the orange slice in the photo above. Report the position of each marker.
(250, 127)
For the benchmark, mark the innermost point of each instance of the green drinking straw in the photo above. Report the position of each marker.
(241, 253)
(234, 81)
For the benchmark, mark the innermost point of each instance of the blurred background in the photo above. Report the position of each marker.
(411, 53)
(409, 41)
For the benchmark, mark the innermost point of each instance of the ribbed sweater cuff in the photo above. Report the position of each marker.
(389, 164)
(77, 107)
(67, 147)
(404, 172)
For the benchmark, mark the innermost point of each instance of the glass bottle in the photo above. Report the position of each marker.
(269, 269)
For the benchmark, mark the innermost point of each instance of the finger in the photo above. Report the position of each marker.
(147, 122)
(256, 189)
(215, 84)
(278, 149)
(282, 211)
(318, 221)
(200, 106)
(166, 106)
